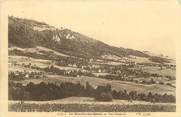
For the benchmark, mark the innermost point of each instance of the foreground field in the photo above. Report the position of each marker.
(83, 104)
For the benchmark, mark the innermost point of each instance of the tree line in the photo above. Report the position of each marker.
(51, 91)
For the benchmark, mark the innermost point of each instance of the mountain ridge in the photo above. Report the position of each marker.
(28, 33)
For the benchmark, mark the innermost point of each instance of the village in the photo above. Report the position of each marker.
(123, 69)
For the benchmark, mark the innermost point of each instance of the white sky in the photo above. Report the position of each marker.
(152, 25)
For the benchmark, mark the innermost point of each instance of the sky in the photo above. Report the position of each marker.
(152, 25)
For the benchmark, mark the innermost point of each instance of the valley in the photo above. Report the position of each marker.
(47, 64)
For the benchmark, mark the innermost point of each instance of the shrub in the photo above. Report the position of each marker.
(169, 84)
(161, 83)
(104, 96)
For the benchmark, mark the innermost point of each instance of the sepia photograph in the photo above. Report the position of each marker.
(92, 56)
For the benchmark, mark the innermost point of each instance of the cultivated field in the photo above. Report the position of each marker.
(84, 104)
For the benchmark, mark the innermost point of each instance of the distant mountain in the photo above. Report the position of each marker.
(26, 33)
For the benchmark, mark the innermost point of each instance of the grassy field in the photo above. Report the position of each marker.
(163, 72)
(83, 104)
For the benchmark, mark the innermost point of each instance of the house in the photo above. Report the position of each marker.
(27, 76)
(99, 70)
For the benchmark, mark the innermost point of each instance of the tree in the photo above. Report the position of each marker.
(103, 93)
(149, 96)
